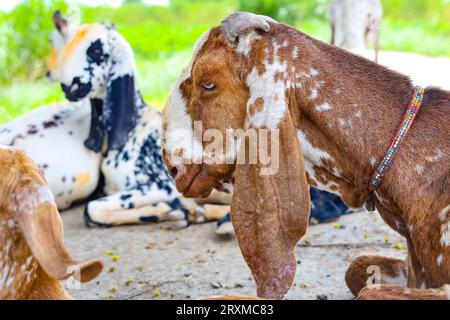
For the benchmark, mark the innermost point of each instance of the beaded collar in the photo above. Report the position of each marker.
(405, 125)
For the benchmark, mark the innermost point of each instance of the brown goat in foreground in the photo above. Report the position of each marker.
(33, 258)
(335, 115)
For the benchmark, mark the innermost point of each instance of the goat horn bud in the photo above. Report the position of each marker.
(240, 22)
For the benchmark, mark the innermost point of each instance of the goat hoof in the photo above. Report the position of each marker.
(88, 222)
(225, 229)
(198, 216)
(178, 225)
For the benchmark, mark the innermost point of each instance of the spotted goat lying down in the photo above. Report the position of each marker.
(334, 114)
(106, 139)
(33, 258)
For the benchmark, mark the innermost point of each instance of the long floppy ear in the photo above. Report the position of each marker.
(119, 111)
(270, 207)
(96, 133)
(116, 116)
(33, 208)
(270, 214)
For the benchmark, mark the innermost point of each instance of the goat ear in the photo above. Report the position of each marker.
(96, 133)
(239, 23)
(41, 225)
(60, 22)
(270, 213)
(119, 111)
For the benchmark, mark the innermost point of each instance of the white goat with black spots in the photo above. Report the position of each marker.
(106, 131)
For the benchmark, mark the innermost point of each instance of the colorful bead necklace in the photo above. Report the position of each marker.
(405, 125)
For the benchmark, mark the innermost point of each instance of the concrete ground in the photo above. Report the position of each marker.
(154, 263)
(424, 71)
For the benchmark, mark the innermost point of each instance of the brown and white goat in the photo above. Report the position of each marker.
(335, 115)
(33, 257)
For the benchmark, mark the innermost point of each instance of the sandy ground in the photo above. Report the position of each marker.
(424, 71)
(154, 263)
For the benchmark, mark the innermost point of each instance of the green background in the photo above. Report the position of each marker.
(162, 38)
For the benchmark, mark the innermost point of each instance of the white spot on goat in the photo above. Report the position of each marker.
(315, 89)
(358, 114)
(381, 199)
(439, 260)
(373, 160)
(313, 72)
(336, 172)
(328, 186)
(10, 223)
(313, 156)
(420, 169)
(344, 123)
(35, 196)
(443, 213)
(439, 154)
(271, 90)
(6, 268)
(295, 53)
(445, 234)
(245, 42)
(445, 227)
(314, 94)
(323, 107)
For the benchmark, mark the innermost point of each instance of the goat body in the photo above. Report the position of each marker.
(33, 258)
(335, 115)
(108, 144)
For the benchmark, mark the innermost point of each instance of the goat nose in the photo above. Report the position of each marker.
(173, 172)
(176, 169)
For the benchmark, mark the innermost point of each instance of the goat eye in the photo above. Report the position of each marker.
(209, 86)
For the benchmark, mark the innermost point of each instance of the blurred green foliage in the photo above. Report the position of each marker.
(278, 9)
(24, 38)
(21, 96)
(288, 11)
(162, 38)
